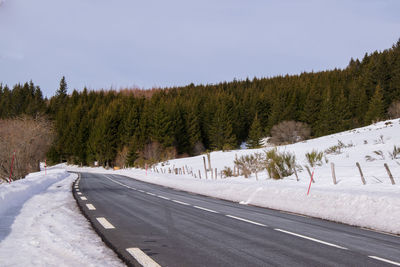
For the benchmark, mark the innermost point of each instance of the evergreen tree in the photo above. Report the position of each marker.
(376, 109)
(255, 134)
(221, 132)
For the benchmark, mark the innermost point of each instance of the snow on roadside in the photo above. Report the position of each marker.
(48, 228)
(375, 205)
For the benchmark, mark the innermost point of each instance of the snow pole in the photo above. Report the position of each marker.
(12, 163)
(309, 187)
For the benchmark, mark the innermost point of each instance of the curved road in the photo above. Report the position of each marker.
(153, 225)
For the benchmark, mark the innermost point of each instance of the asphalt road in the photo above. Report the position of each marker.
(174, 228)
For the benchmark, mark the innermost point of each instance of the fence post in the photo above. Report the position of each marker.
(295, 173)
(333, 173)
(199, 174)
(209, 165)
(309, 172)
(361, 173)
(389, 173)
(215, 173)
(205, 167)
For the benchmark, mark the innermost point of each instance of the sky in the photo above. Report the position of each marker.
(128, 43)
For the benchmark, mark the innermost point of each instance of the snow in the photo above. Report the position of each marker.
(375, 205)
(41, 225)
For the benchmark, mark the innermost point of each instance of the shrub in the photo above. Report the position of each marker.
(248, 164)
(394, 110)
(278, 164)
(289, 132)
(395, 154)
(379, 153)
(227, 172)
(314, 158)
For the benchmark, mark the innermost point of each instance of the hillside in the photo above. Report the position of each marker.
(374, 205)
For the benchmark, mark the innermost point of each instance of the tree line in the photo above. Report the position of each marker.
(133, 127)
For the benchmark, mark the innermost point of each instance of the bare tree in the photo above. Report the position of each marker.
(30, 138)
(289, 132)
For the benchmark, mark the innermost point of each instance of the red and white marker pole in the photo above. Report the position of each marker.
(12, 163)
(312, 175)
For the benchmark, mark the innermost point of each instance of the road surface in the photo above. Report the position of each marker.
(152, 225)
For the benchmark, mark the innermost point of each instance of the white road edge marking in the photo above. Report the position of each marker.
(385, 260)
(83, 198)
(245, 220)
(201, 208)
(310, 238)
(180, 202)
(106, 224)
(142, 258)
(164, 197)
(90, 207)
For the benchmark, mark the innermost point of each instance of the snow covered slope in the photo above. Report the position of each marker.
(375, 205)
(41, 225)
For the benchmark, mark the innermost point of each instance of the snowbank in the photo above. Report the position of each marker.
(41, 225)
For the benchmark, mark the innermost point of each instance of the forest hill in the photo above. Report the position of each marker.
(144, 126)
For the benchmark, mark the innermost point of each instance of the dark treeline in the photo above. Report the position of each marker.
(132, 126)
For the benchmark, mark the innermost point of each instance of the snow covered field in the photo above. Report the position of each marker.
(40, 223)
(375, 205)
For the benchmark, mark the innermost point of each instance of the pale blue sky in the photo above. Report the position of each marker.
(124, 43)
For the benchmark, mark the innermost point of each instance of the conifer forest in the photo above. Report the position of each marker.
(132, 127)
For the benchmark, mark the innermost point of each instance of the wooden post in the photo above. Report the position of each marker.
(209, 165)
(333, 173)
(361, 173)
(309, 172)
(389, 173)
(295, 173)
(205, 167)
(183, 170)
(215, 173)
(200, 174)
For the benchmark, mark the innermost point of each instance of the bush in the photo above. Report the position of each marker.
(314, 158)
(289, 132)
(227, 172)
(278, 164)
(395, 154)
(249, 164)
(394, 110)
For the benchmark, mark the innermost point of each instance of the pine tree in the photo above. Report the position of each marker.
(62, 90)
(376, 109)
(221, 131)
(255, 134)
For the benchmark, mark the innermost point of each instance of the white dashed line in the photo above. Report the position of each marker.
(141, 191)
(142, 258)
(151, 194)
(106, 224)
(83, 198)
(310, 238)
(79, 193)
(180, 202)
(201, 208)
(245, 220)
(90, 207)
(164, 197)
(385, 260)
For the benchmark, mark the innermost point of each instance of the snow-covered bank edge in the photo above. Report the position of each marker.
(363, 208)
(49, 229)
